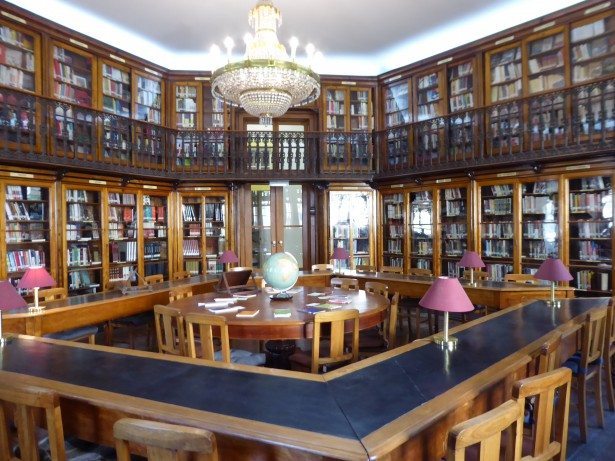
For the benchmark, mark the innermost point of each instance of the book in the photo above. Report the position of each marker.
(247, 314)
(281, 313)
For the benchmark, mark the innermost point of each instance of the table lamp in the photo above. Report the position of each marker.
(34, 278)
(339, 254)
(9, 299)
(553, 270)
(228, 257)
(472, 260)
(446, 295)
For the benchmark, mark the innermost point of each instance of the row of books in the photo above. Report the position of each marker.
(185, 92)
(422, 247)
(191, 212)
(78, 280)
(194, 267)
(454, 247)
(23, 60)
(590, 183)
(396, 103)
(116, 90)
(16, 38)
(397, 118)
(592, 280)
(185, 105)
(497, 206)
(540, 230)
(121, 252)
(148, 114)
(594, 229)
(116, 106)
(81, 212)
(546, 62)
(191, 248)
(358, 108)
(587, 31)
(359, 123)
(427, 111)
(456, 208)
(455, 231)
(539, 249)
(335, 122)
(120, 273)
(587, 202)
(155, 250)
(149, 99)
(508, 91)
(462, 102)
(23, 193)
(116, 74)
(116, 198)
(120, 231)
(497, 230)
(17, 78)
(540, 204)
(592, 251)
(592, 70)
(497, 248)
(83, 255)
(497, 272)
(546, 44)
(89, 231)
(395, 246)
(25, 232)
(72, 94)
(121, 214)
(17, 211)
(19, 260)
(153, 230)
(461, 70)
(186, 121)
(421, 263)
(546, 82)
(148, 85)
(593, 49)
(214, 212)
(394, 261)
(66, 74)
(396, 231)
(427, 81)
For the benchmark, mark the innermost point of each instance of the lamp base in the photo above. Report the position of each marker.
(554, 303)
(472, 284)
(282, 296)
(33, 309)
(5, 340)
(449, 343)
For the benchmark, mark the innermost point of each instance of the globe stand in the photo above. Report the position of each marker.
(281, 296)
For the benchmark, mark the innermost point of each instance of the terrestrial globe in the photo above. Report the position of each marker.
(281, 272)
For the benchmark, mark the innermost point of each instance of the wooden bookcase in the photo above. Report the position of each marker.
(347, 109)
(20, 62)
(148, 97)
(429, 103)
(204, 231)
(157, 253)
(187, 116)
(393, 229)
(463, 96)
(122, 234)
(454, 223)
(396, 114)
(350, 226)
(421, 229)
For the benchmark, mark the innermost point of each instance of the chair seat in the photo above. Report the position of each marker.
(243, 357)
(76, 450)
(574, 363)
(74, 333)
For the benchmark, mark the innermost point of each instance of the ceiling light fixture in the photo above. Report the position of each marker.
(267, 82)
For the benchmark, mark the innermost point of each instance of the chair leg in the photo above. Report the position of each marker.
(598, 396)
(582, 406)
(109, 333)
(608, 372)
(417, 323)
(92, 339)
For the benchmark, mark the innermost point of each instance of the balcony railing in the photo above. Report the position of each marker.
(560, 124)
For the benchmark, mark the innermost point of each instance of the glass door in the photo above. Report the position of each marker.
(277, 222)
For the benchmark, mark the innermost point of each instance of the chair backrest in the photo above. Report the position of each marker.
(486, 430)
(364, 268)
(337, 353)
(179, 275)
(205, 324)
(170, 331)
(418, 271)
(549, 358)
(391, 322)
(344, 283)
(51, 294)
(550, 394)
(392, 269)
(151, 279)
(609, 337)
(593, 331)
(179, 293)
(164, 442)
(377, 288)
(478, 275)
(27, 400)
(241, 268)
(520, 278)
(322, 267)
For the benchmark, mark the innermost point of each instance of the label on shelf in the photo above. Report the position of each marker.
(505, 40)
(578, 167)
(97, 181)
(12, 174)
(509, 173)
(546, 25)
(148, 186)
(445, 60)
(78, 43)
(440, 181)
(6, 14)
(593, 9)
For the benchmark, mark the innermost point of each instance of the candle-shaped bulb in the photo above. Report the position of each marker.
(229, 44)
(310, 49)
(294, 44)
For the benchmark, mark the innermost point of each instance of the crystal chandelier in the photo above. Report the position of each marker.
(267, 81)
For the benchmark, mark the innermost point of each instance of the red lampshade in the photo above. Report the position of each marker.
(228, 256)
(446, 294)
(340, 253)
(36, 277)
(9, 298)
(471, 259)
(553, 269)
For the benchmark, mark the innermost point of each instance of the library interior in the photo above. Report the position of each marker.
(394, 245)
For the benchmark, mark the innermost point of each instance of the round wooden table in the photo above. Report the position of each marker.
(372, 310)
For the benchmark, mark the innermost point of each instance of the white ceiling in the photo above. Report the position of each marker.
(356, 37)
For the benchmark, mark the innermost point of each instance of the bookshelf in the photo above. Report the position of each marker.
(148, 97)
(462, 96)
(72, 75)
(397, 112)
(347, 110)
(350, 226)
(590, 229)
(421, 230)
(216, 121)
(116, 89)
(429, 104)
(19, 58)
(539, 223)
(453, 226)
(393, 235)
(83, 240)
(27, 224)
(122, 231)
(204, 232)
(497, 224)
(187, 117)
(155, 234)
(592, 47)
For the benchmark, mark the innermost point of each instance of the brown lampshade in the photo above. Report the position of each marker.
(447, 295)
(553, 269)
(471, 259)
(36, 277)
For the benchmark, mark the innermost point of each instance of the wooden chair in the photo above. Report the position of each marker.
(377, 288)
(549, 358)
(152, 279)
(322, 267)
(344, 283)
(411, 306)
(375, 340)
(520, 278)
(180, 275)
(179, 293)
(74, 334)
(486, 430)
(364, 268)
(208, 326)
(164, 442)
(609, 355)
(586, 365)
(392, 269)
(170, 331)
(336, 352)
(550, 395)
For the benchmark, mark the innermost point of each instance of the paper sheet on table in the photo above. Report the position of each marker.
(226, 310)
